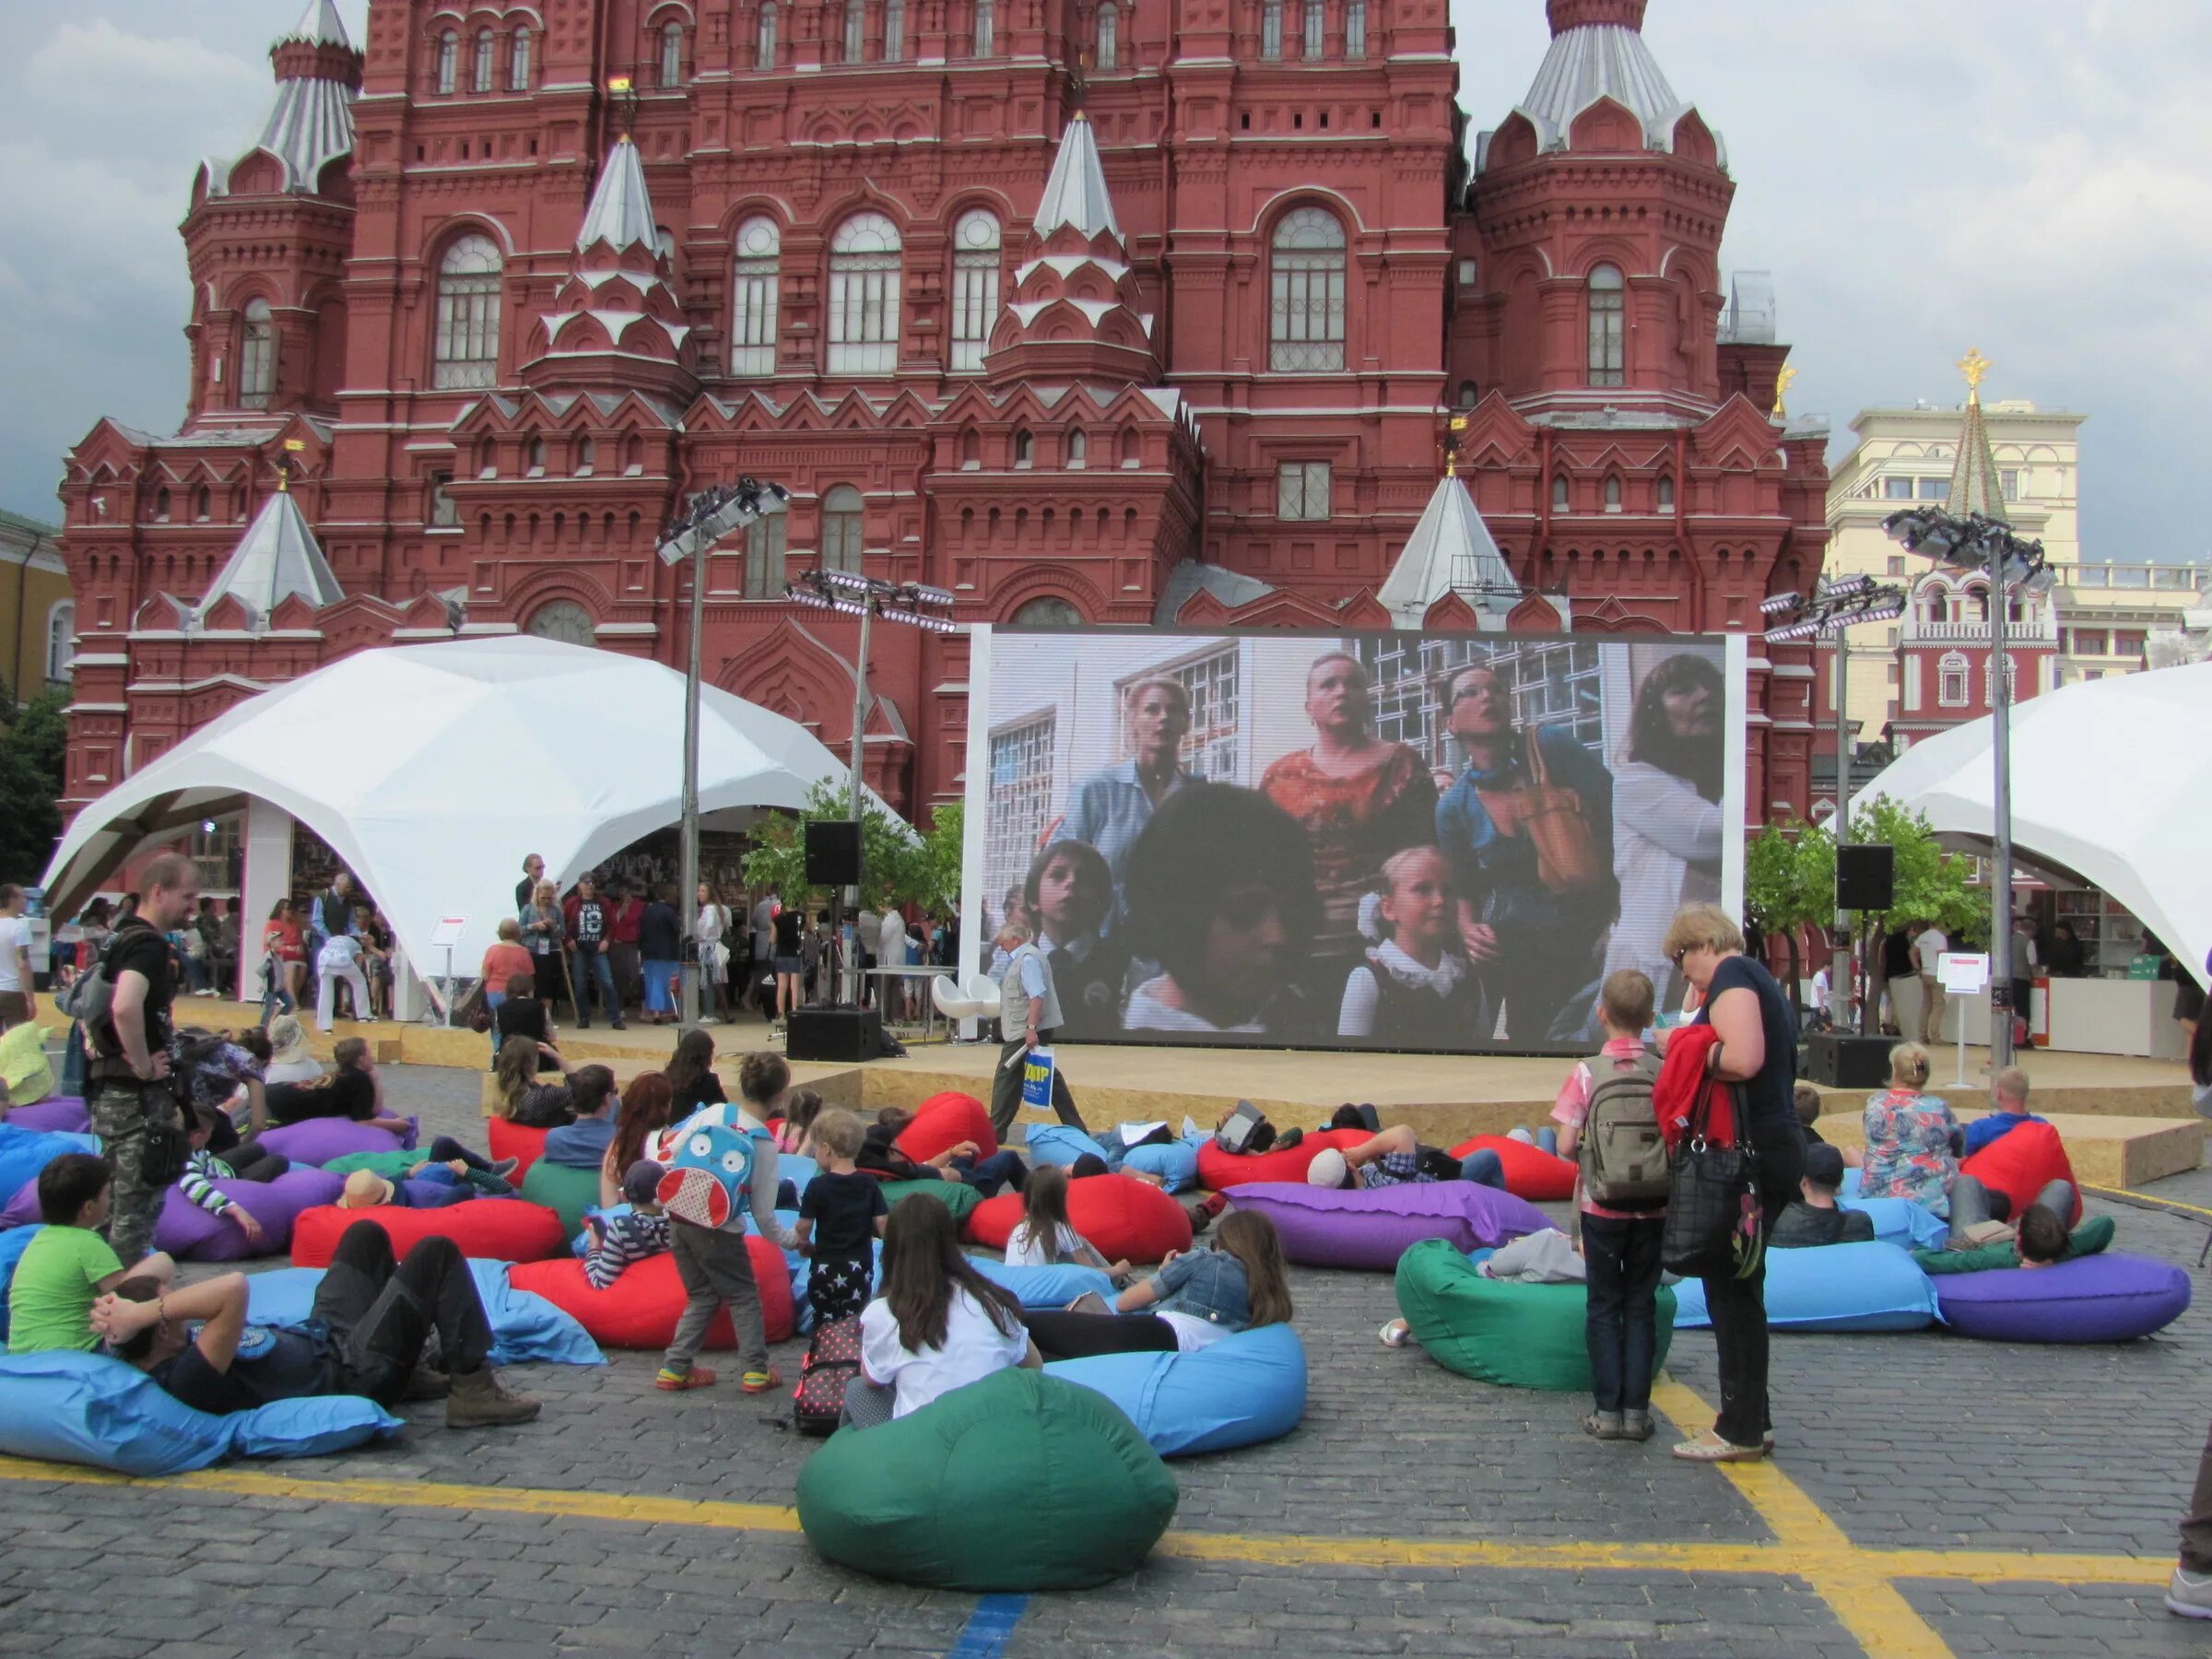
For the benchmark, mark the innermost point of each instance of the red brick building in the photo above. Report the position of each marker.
(1124, 310)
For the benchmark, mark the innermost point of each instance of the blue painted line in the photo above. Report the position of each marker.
(985, 1635)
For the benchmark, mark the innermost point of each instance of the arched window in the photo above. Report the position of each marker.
(1306, 321)
(162, 508)
(672, 54)
(840, 528)
(1271, 29)
(753, 293)
(1666, 493)
(518, 63)
(766, 51)
(1355, 30)
(257, 356)
(986, 32)
(1469, 394)
(1609, 351)
(1025, 449)
(971, 450)
(1048, 612)
(1132, 453)
(1978, 596)
(534, 459)
(1950, 680)
(1559, 493)
(480, 81)
(587, 457)
(764, 546)
(202, 508)
(562, 619)
(449, 62)
(975, 244)
(1110, 31)
(894, 30)
(1316, 29)
(61, 639)
(863, 296)
(856, 20)
(468, 315)
(1612, 495)
(1078, 451)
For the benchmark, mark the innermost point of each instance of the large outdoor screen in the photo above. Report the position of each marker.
(1398, 840)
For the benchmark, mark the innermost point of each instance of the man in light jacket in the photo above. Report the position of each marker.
(1028, 1014)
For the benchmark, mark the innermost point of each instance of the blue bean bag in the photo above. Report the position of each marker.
(13, 1243)
(1875, 1287)
(1175, 1162)
(1062, 1144)
(1372, 1228)
(1901, 1221)
(523, 1326)
(2105, 1298)
(1049, 1286)
(1239, 1392)
(799, 1171)
(91, 1408)
(24, 1152)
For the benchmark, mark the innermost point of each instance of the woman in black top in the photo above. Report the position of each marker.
(788, 962)
(522, 1015)
(691, 1079)
(1758, 1049)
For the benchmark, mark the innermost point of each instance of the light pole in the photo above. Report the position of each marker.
(1973, 542)
(706, 519)
(852, 594)
(1835, 607)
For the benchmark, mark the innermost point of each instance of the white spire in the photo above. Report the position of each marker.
(310, 124)
(322, 24)
(1075, 193)
(621, 211)
(1451, 550)
(277, 558)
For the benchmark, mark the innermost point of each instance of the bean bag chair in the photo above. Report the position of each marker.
(504, 1140)
(1330, 1227)
(24, 1152)
(2022, 1163)
(2105, 1298)
(12, 1246)
(641, 1309)
(64, 1114)
(525, 1328)
(1062, 1144)
(23, 1064)
(1049, 1286)
(799, 1171)
(1242, 1391)
(564, 1189)
(1223, 1170)
(93, 1409)
(1899, 1221)
(190, 1234)
(22, 1210)
(1496, 1330)
(955, 1195)
(947, 1120)
(1530, 1171)
(505, 1229)
(1175, 1162)
(1873, 1286)
(1124, 1219)
(318, 1140)
(1018, 1483)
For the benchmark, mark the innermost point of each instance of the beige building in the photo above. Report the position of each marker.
(1908, 455)
(38, 617)
(2117, 619)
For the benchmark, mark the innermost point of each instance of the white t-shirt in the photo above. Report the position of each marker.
(1021, 1253)
(973, 1348)
(1193, 1333)
(891, 941)
(1931, 945)
(339, 952)
(14, 939)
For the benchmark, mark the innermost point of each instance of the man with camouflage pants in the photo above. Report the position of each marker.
(131, 1090)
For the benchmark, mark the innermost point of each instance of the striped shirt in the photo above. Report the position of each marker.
(202, 1170)
(624, 1241)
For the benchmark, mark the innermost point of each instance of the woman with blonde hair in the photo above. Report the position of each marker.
(522, 1098)
(544, 928)
(1913, 1137)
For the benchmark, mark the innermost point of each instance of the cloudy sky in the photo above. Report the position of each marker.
(2024, 176)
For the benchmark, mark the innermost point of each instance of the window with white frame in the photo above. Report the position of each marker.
(449, 61)
(1110, 31)
(1934, 489)
(672, 54)
(986, 30)
(468, 315)
(2009, 481)
(445, 512)
(480, 81)
(894, 30)
(1609, 322)
(1301, 490)
(1989, 680)
(764, 545)
(840, 528)
(518, 63)
(1317, 30)
(863, 296)
(1271, 29)
(1021, 798)
(856, 19)
(257, 356)
(765, 50)
(1355, 30)
(1306, 296)
(61, 641)
(1950, 679)
(1897, 488)
(753, 295)
(1212, 686)
(975, 247)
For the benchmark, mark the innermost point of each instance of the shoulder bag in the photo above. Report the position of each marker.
(1712, 1216)
(1566, 856)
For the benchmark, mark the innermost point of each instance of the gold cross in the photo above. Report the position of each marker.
(1782, 390)
(1975, 367)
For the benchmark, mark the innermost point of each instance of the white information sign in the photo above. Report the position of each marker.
(1962, 973)
(448, 931)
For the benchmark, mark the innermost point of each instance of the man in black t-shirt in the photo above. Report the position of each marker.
(591, 923)
(129, 1069)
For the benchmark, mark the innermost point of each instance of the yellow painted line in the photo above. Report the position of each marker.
(2134, 1197)
(1295, 1550)
(1990, 1566)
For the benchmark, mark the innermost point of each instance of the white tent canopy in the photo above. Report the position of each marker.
(432, 769)
(2111, 782)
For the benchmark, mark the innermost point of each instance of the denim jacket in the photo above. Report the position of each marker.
(1205, 1284)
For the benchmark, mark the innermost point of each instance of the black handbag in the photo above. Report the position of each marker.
(1712, 1211)
(162, 1154)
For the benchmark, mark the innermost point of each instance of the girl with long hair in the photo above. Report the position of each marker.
(1044, 1237)
(692, 1077)
(937, 1324)
(801, 1108)
(522, 1098)
(645, 1113)
(1197, 1298)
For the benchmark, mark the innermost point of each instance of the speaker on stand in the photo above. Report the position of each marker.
(1865, 877)
(1865, 880)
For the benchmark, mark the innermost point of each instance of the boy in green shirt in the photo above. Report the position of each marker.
(50, 1299)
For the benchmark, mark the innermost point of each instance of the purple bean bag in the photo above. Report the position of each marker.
(2092, 1299)
(23, 1208)
(190, 1233)
(64, 1114)
(318, 1140)
(1322, 1227)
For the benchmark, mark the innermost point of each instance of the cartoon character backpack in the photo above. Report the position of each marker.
(710, 1176)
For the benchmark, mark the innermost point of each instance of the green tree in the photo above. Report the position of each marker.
(1789, 882)
(1928, 885)
(896, 865)
(30, 782)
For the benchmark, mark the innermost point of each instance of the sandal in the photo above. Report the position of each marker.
(1708, 1447)
(754, 1383)
(1602, 1425)
(676, 1382)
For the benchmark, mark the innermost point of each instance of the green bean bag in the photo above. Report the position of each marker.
(955, 1195)
(564, 1189)
(1496, 1330)
(1016, 1483)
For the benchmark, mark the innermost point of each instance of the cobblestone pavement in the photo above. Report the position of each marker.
(1415, 1512)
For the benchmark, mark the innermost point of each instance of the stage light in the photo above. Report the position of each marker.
(1780, 603)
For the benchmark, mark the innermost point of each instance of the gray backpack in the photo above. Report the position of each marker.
(1623, 1156)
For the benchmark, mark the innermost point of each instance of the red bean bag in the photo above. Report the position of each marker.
(640, 1310)
(1125, 1219)
(503, 1229)
(1530, 1171)
(947, 1120)
(2021, 1162)
(525, 1145)
(1221, 1171)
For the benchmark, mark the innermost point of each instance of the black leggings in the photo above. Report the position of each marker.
(379, 1314)
(249, 1160)
(1062, 1335)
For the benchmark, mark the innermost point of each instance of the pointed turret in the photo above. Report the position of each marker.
(1598, 54)
(277, 559)
(1976, 485)
(616, 323)
(1074, 312)
(310, 124)
(1451, 551)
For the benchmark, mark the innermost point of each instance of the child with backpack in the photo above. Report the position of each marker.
(1608, 1125)
(840, 1217)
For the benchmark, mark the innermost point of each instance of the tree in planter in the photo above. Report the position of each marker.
(1931, 884)
(1789, 883)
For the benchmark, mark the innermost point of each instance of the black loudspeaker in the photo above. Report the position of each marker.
(832, 854)
(1842, 1061)
(1867, 877)
(835, 1034)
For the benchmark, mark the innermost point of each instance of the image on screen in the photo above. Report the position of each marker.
(1395, 841)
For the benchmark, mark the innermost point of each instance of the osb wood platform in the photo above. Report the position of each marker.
(2105, 1151)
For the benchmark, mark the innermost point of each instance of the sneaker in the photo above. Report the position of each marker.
(2189, 1595)
(1709, 1447)
(504, 1167)
(584, 1025)
(1288, 1138)
(676, 1382)
(1396, 1334)
(620, 1026)
(760, 1382)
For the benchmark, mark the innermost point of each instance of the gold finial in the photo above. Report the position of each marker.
(1456, 425)
(292, 446)
(618, 84)
(1975, 367)
(1782, 390)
